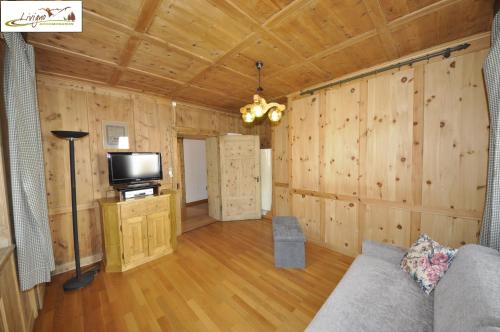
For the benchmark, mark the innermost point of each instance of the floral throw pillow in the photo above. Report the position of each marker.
(427, 261)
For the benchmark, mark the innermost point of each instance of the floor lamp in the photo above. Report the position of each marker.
(80, 280)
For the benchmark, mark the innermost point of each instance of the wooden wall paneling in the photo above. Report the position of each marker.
(152, 123)
(213, 178)
(167, 136)
(146, 121)
(89, 235)
(340, 146)
(182, 171)
(387, 225)
(307, 209)
(104, 106)
(64, 109)
(456, 133)
(417, 149)
(281, 201)
(305, 142)
(280, 150)
(389, 136)
(451, 231)
(190, 116)
(341, 226)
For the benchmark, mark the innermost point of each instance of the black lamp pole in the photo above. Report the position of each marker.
(80, 280)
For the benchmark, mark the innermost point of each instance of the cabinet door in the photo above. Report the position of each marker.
(159, 233)
(135, 240)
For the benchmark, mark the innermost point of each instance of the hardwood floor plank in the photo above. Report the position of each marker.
(221, 278)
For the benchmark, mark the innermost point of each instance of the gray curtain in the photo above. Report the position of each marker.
(490, 230)
(29, 202)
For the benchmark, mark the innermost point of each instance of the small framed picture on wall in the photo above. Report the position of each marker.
(115, 135)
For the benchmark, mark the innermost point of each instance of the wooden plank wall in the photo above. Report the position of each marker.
(388, 156)
(153, 123)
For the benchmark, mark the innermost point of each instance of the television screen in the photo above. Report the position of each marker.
(129, 167)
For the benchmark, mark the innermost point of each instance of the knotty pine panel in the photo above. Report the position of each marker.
(307, 209)
(64, 109)
(281, 201)
(280, 150)
(456, 132)
(341, 226)
(386, 225)
(389, 122)
(450, 231)
(340, 147)
(304, 113)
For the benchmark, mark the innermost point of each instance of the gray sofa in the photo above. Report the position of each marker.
(376, 295)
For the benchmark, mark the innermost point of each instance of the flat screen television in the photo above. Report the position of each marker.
(134, 167)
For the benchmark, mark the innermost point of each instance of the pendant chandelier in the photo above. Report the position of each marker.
(260, 107)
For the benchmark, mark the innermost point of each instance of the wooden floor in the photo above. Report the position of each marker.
(221, 278)
(195, 216)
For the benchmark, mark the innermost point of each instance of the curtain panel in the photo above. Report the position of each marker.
(29, 202)
(490, 229)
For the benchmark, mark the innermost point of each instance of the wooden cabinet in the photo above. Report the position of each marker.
(137, 231)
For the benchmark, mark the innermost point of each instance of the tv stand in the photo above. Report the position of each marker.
(137, 190)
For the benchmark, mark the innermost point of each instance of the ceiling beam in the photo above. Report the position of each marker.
(144, 20)
(380, 22)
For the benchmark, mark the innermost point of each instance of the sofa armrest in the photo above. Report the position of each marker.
(388, 253)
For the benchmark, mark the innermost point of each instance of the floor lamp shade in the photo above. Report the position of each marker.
(80, 280)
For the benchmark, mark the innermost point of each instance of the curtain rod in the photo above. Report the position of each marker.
(445, 53)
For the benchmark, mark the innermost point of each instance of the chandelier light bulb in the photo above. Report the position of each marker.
(248, 117)
(274, 115)
(257, 110)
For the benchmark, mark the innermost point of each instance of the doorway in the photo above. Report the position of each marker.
(193, 170)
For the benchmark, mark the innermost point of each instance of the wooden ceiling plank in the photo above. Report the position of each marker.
(285, 12)
(148, 10)
(106, 21)
(437, 6)
(72, 53)
(379, 21)
(345, 44)
(165, 43)
(138, 71)
(235, 49)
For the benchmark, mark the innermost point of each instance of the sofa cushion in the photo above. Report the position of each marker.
(375, 295)
(468, 296)
(427, 261)
(388, 253)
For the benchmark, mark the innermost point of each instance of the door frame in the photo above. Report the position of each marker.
(179, 167)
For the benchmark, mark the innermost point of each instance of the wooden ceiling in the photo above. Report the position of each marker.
(204, 51)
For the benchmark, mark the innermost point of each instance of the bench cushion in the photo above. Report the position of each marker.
(287, 229)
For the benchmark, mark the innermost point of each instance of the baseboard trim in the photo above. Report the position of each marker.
(85, 261)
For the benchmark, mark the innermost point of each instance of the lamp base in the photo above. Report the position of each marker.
(77, 283)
